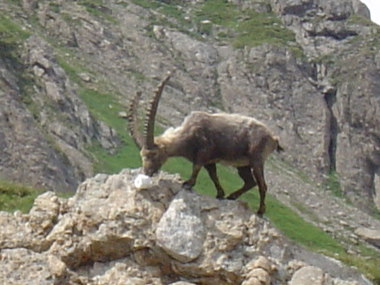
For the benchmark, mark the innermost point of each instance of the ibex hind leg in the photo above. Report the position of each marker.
(249, 182)
(258, 172)
(211, 169)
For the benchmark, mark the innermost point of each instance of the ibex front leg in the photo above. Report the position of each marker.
(191, 181)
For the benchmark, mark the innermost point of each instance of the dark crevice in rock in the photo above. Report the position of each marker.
(298, 10)
(330, 98)
(336, 35)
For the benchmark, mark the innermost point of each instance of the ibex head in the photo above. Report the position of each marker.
(153, 155)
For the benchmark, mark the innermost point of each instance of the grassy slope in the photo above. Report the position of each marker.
(16, 196)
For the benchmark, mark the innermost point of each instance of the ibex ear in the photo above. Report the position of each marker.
(151, 114)
(279, 147)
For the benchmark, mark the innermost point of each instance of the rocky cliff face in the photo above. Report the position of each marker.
(311, 78)
(343, 45)
(110, 232)
(45, 126)
(26, 155)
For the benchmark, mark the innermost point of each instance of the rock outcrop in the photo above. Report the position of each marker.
(370, 235)
(110, 232)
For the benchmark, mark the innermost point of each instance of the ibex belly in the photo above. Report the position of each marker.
(236, 162)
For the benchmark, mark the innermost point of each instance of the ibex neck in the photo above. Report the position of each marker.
(174, 144)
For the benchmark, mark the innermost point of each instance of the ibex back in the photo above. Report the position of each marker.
(206, 139)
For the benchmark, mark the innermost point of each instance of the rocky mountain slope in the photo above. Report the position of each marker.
(111, 232)
(308, 69)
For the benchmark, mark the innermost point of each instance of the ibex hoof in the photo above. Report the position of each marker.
(231, 197)
(261, 212)
(220, 197)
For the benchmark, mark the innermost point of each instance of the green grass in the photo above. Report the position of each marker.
(15, 196)
(11, 36)
(297, 229)
(360, 20)
(11, 32)
(97, 9)
(127, 156)
(246, 27)
(71, 70)
(260, 28)
(332, 183)
(218, 12)
(368, 262)
(240, 28)
(147, 4)
(105, 108)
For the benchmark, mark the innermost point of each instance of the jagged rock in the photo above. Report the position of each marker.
(31, 230)
(358, 122)
(191, 49)
(111, 232)
(23, 266)
(180, 231)
(370, 235)
(330, 8)
(29, 5)
(309, 275)
(377, 190)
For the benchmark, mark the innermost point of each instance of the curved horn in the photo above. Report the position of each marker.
(151, 115)
(133, 127)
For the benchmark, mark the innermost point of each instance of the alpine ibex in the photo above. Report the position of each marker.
(205, 139)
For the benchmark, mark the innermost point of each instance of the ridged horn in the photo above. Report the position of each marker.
(151, 115)
(133, 126)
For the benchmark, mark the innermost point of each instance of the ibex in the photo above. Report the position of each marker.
(205, 139)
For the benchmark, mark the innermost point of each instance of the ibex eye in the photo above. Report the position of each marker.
(152, 155)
